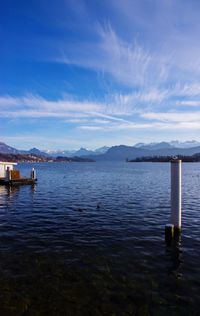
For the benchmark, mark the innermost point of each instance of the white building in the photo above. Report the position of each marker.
(4, 166)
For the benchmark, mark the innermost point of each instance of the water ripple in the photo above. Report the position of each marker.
(88, 239)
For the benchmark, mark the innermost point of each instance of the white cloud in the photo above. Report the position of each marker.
(186, 89)
(91, 127)
(173, 116)
(190, 103)
(120, 113)
(153, 126)
(36, 106)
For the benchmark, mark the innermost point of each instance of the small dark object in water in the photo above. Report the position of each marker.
(79, 209)
(99, 205)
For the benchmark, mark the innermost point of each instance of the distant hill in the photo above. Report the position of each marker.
(73, 159)
(34, 151)
(193, 158)
(171, 144)
(123, 152)
(36, 158)
(22, 157)
(7, 149)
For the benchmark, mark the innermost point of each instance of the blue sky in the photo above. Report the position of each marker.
(92, 73)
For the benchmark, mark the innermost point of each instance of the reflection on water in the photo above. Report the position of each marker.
(10, 190)
(174, 252)
(110, 258)
(9, 193)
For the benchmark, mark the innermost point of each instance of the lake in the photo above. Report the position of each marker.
(88, 239)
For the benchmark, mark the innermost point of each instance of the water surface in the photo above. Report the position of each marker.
(88, 239)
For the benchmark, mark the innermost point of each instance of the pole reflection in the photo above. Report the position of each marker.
(175, 256)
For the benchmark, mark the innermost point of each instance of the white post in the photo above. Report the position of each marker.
(176, 194)
(33, 174)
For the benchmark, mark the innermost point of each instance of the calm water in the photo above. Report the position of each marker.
(88, 239)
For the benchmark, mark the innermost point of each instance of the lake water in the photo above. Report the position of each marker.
(88, 239)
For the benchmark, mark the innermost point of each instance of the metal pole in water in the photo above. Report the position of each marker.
(174, 227)
(33, 174)
(176, 194)
(8, 174)
(169, 232)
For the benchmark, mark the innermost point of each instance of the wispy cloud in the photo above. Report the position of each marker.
(190, 103)
(127, 62)
(173, 116)
(161, 126)
(36, 106)
(150, 50)
(135, 111)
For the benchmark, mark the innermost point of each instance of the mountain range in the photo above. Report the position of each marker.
(79, 153)
(172, 144)
(121, 152)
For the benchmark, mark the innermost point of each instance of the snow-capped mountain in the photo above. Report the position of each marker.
(186, 144)
(171, 144)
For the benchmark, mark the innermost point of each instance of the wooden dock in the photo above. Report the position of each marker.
(10, 176)
(19, 181)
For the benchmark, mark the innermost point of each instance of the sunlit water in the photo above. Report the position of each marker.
(88, 239)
